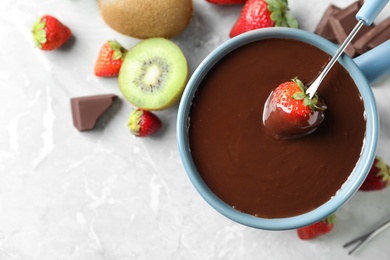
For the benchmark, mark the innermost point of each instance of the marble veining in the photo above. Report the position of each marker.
(106, 195)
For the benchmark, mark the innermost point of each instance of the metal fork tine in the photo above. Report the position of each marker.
(367, 237)
(361, 238)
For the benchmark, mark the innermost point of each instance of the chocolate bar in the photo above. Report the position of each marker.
(373, 37)
(323, 28)
(87, 110)
(342, 24)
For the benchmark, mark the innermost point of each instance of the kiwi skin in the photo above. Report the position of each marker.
(144, 19)
(134, 84)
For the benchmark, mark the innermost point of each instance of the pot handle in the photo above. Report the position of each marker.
(375, 63)
(370, 10)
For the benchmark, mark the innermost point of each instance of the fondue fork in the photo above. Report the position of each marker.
(364, 239)
(366, 15)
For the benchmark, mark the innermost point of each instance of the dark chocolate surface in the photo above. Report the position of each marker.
(247, 168)
(342, 24)
(336, 24)
(323, 28)
(374, 37)
(87, 110)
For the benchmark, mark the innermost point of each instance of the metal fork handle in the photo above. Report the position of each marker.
(367, 237)
(315, 85)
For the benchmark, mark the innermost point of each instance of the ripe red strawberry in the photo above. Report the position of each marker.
(258, 14)
(143, 123)
(226, 2)
(378, 177)
(110, 59)
(49, 33)
(317, 229)
(290, 113)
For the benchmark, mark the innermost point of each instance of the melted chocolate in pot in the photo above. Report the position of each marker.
(245, 166)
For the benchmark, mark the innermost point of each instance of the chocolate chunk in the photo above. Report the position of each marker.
(342, 24)
(323, 28)
(374, 37)
(87, 110)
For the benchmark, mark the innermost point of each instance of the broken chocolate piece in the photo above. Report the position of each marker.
(87, 110)
(323, 28)
(342, 24)
(373, 37)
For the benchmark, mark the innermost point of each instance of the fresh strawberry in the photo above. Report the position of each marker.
(49, 33)
(290, 113)
(226, 2)
(378, 177)
(143, 123)
(317, 229)
(258, 14)
(110, 59)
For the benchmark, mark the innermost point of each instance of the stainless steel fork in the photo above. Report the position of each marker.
(363, 240)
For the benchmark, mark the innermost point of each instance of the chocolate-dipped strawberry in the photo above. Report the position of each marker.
(290, 113)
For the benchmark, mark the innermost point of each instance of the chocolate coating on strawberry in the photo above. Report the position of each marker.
(289, 113)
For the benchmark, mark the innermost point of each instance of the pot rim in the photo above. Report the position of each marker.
(355, 179)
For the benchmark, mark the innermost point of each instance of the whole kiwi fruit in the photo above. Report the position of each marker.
(144, 19)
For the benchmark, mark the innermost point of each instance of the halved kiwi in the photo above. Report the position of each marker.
(153, 74)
